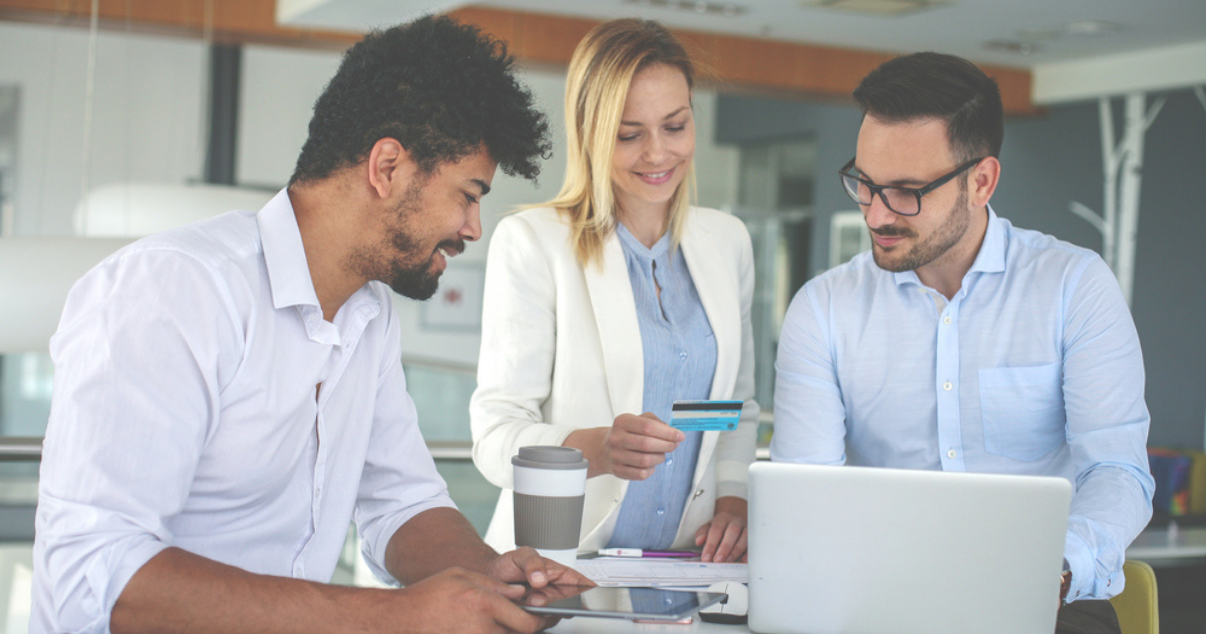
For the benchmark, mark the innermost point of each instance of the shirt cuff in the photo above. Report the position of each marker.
(109, 574)
(1083, 565)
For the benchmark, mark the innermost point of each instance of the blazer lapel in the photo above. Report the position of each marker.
(619, 332)
(716, 285)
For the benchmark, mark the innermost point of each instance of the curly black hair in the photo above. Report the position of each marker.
(441, 88)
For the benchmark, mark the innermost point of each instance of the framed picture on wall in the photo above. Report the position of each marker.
(457, 305)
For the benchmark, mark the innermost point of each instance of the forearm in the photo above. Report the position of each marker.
(590, 442)
(177, 591)
(435, 540)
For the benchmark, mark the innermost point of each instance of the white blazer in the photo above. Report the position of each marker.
(561, 350)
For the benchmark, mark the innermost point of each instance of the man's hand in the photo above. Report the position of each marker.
(725, 538)
(525, 565)
(457, 600)
(630, 449)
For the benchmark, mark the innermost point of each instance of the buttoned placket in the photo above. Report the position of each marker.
(344, 341)
(946, 379)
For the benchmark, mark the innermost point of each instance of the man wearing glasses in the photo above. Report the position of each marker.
(963, 343)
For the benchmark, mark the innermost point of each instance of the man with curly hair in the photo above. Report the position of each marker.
(229, 395)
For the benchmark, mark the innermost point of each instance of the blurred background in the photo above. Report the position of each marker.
(120, 118)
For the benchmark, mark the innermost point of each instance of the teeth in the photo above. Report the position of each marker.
(657, 175)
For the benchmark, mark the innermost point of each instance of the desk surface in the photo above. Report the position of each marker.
(1168, 547)
(617, 626)
(1156, 546)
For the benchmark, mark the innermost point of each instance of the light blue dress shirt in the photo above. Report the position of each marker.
(1033, 367)
(680, 360)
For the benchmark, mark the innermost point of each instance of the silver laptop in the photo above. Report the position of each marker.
(857, 550)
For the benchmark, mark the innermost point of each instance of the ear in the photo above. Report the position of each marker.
(983, 181)
(390, 167)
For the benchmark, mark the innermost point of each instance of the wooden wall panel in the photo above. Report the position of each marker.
(736, 62)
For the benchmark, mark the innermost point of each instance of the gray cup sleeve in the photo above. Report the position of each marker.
(547, 522)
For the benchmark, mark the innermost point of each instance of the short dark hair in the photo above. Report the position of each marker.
(441, 88)
(935, 85)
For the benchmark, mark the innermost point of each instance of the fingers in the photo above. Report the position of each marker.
(525, 565)
(733, 544)
(723, 539)
(651, 428)
(637, 444)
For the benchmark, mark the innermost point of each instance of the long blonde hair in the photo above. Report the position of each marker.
(600, 73)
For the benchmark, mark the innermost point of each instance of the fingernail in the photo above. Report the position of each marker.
(538, 577)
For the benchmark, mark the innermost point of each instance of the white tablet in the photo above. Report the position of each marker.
(652, 604)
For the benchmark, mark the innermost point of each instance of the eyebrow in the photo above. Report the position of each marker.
(901, 182)
(482, 184)
(669, 116)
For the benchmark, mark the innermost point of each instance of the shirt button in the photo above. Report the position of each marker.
(947, 320)
(669, 461)
(661, 511)
(698, 493)
(951, 453)
(947, 386)
(683, 355)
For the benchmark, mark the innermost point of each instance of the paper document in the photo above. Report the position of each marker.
(628, 572)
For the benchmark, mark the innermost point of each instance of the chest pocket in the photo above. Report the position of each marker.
(1022, 410)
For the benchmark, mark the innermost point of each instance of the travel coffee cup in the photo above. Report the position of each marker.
(550, 486)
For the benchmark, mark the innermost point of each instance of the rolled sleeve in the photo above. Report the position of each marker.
(134, 400)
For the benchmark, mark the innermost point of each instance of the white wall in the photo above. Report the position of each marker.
(148, 115)
(149, 124)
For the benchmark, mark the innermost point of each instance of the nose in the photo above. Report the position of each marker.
(472, 230)
(877, 213)
(655, 149)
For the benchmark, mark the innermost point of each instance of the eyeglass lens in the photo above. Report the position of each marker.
(901, 201)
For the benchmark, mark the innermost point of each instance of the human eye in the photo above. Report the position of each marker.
(629, 137)
(470, 198)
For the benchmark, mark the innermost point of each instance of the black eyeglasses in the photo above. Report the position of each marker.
(905, 201)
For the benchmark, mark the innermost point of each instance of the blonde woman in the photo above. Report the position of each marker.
(612, 301)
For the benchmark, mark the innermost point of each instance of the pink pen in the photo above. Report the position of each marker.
(637, 552)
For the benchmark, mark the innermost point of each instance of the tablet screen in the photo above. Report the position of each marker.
(623, 603)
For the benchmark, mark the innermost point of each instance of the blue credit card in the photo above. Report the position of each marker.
(705, 415)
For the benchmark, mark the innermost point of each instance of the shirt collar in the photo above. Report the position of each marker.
(635, 247)
(990, 258)
(284, 255)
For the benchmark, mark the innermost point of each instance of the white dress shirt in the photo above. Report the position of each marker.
(1033, 367)
(188, 412)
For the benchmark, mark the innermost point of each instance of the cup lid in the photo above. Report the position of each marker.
(550, 457)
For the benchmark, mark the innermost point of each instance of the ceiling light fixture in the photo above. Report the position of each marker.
(726, 9)
(886, 8)
(1012, 46)
(1092, 27)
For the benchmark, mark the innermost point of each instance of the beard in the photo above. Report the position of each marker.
(947, 235)
(408, 273)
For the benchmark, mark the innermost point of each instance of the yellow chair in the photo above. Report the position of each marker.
(1137, 605)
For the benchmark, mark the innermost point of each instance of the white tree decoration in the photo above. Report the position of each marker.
(1122, 165)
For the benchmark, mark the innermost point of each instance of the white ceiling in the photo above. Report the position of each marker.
(962, 27)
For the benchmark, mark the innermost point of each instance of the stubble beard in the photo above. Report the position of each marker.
(935, 246)
(416, 281)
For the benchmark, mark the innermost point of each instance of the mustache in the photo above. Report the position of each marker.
(457, 246)
(892, 231)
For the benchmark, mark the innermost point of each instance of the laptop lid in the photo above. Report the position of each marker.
(859, 550)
